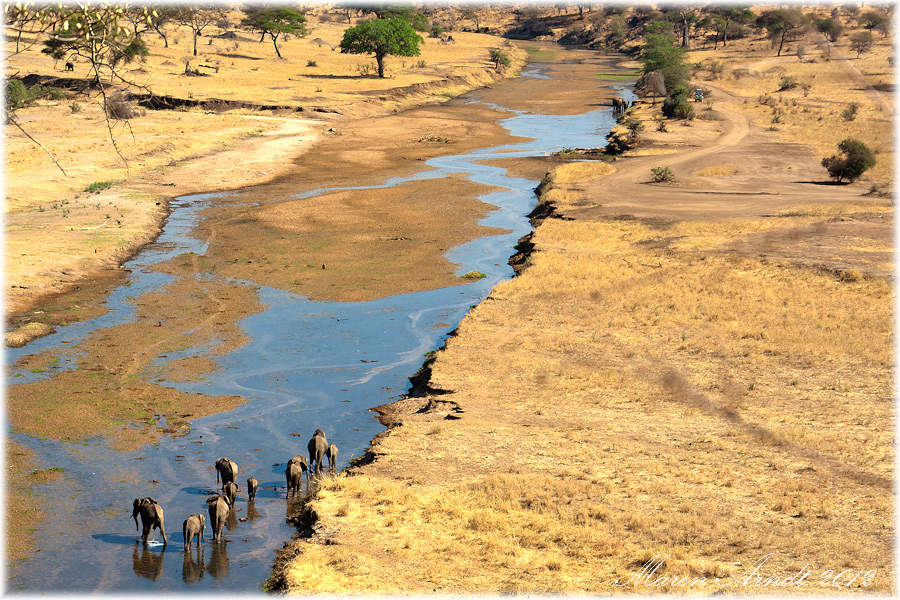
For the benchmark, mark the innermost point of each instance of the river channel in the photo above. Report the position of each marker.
(307, 365)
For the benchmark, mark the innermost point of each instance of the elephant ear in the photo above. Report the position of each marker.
(210, 500)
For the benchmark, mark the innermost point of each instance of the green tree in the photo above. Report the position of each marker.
(406, 12)
(779, 23)
(381, 37)
(854, 160)
(659, 53)
(499, 58)
(275, 22)
(830, 27)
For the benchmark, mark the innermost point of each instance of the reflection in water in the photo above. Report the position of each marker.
(231, 520)
(251, 510)
(191, 570)
(218, 562)
(147, 564)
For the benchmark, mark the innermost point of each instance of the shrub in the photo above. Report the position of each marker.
(118, 107)
(634, 126)
(854, 160)
(660, 122)
(849, 113)
(312, 63)
(663, 175)
(499, 58)
(677, 106)
(787, 82)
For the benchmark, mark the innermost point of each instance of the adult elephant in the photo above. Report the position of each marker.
(317, 447)
(302, 462)
(252, 485)
(151, 517)
(227, 469)
(218, 514)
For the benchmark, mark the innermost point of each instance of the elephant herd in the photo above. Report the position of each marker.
(219, 505)
(620, 105)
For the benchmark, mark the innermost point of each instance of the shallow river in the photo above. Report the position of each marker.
(307, 365)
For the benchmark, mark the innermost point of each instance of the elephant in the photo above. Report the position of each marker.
(229, 491)
(331, 453)
(193, 526)
(294, 476)
(70, 66)
(252, 484)
(227, 469)
(218, 514)
(304, 464)
(317, 447)
(151, 516)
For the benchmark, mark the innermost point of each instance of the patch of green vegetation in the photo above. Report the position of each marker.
(98, 186)
(618, 76)
(474, 275)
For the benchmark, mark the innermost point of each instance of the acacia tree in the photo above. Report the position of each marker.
(854, 160)
(275, 22)
(381, 37)
(861, 41)
(198, 18)
(780, 23)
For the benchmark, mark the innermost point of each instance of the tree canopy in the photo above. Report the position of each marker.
(274, 22)
(854, 160)
(381, 37)
(660, 53)
(779, 23)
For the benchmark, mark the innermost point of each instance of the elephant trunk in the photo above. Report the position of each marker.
(134, 516)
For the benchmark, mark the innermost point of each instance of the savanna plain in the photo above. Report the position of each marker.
(695, 374)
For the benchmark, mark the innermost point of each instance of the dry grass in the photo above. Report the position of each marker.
(725, 170)
(650, 399)
(815, 117)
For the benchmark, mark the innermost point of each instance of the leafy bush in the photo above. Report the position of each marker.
(17, 95)
(312, 63)
(634, 126)
(849, 113)
(677, 106)
(854, 160)
(663, 175)
(499, 58)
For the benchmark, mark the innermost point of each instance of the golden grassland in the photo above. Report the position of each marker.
(652, 398)
(650, 388)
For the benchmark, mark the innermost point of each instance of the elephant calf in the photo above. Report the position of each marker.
(252, 484)
(294, 476)
(229, 491)
(151, 516)
(193, 526)
(332, 453)
(218, 514)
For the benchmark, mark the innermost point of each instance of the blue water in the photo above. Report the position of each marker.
(307, 365)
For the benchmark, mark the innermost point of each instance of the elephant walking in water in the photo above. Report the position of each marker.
(317, 447)
(332, 453)
(252, 485)
(227, 469)
(293, 475)
(301, 461)
(151, 517)
(229, 491)
(193, 526)
(218, 514)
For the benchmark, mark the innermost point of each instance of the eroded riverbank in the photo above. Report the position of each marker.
(291, 359)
